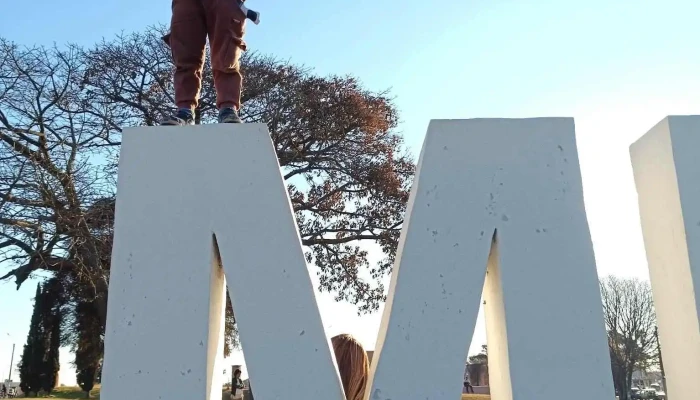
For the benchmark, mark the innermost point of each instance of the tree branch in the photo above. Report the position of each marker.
(52, 264)
(327, 241)
(27, 248)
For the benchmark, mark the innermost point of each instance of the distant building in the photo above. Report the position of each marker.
(478, 374)
(12, 387)
(10, 384)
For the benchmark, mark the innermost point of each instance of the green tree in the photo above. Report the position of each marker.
(52, 317)
(53, 364)
(31, 366)
(482, 357)
(88, 345)
(86, 379)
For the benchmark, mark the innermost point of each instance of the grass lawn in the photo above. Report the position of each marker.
(75, 393)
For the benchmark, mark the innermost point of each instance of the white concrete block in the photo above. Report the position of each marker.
(521, 179)
(667, 174)
(179, 186)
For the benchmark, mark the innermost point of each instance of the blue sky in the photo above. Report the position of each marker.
(618, 67)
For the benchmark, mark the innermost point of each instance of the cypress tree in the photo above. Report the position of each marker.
(86, 379)
(54, 364)
(31, 364)
(89, 346)
(52, 333)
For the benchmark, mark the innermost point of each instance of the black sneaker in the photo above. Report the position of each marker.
(183, 117)
(229, 115)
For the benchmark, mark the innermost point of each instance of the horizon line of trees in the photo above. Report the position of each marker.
(630, 322)
(627, 304)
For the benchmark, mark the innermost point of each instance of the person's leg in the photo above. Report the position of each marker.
(187, 40)
(226, 26)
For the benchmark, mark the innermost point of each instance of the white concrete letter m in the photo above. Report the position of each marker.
(496, 207)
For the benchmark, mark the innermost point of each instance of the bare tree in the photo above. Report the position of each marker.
(61, 115)
(631, 322)
(55, 193)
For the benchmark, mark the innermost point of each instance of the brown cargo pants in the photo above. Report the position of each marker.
(192, 21)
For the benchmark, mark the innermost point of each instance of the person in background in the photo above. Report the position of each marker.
(3, 391)
(468, 388)
(237, 385)
(353, 365)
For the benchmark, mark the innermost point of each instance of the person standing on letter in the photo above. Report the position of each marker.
(192, 21)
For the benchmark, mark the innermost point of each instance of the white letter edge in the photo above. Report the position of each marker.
(545, 327)
(666, 167)
(179, 186)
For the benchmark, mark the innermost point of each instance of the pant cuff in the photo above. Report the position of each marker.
(228, 105)
(185, 105)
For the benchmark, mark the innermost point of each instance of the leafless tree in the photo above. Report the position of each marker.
(55, 194)
(62, 110)
(631, 322)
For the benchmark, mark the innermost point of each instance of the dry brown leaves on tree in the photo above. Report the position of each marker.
(61, 115)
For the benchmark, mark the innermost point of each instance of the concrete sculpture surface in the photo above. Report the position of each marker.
(166, 297)
(667, 175)
(506, 192)
(496, 206)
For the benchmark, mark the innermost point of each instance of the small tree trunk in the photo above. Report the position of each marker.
(628, 382)
(621, 378)
(198, 115)
(87, 394)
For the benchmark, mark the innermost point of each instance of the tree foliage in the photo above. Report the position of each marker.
(88, 346)
(86, 379)
(52, 317)
(32, 359)
(230, 328)
(62, 111)
(39, 364)
(630, 320)
(482, 357)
